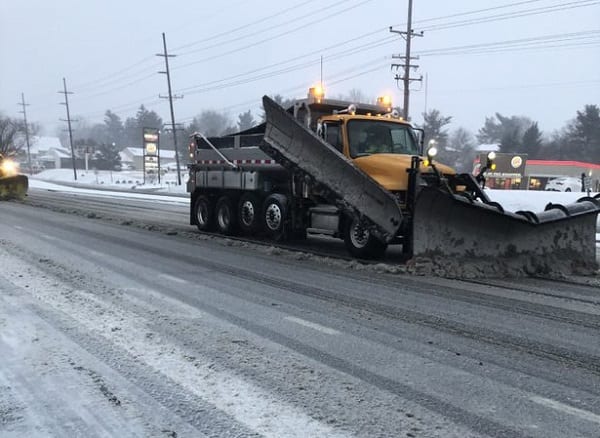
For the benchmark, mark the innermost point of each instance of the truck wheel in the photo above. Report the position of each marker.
(249, 213)
(225, 216)
(274, 216)
(203, 213)
(360, 242)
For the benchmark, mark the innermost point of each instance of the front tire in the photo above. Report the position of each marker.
(360, 242)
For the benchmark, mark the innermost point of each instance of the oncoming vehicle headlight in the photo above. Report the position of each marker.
(9, 167)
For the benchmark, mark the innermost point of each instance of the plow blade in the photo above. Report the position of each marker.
(560, 239)
(345, 185)
(13, 187)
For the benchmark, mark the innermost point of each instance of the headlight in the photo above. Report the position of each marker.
(431, 152)
(491, 156)
(9, 167)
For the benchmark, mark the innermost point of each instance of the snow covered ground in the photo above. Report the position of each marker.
(123, 180)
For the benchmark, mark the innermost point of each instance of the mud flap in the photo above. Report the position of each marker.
(14, 187)
(560, 239)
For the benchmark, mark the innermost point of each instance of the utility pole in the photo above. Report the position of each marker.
(68, 120)
(170, 97)
(405, 78)
(23, 104)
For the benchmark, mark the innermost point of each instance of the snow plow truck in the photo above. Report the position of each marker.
(12, 184)
(360, 173)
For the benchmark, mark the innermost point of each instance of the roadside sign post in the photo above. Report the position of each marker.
(151, 156)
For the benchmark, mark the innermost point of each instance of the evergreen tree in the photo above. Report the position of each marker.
(134, 126)
(584, 134)
(532, 141)
(107, 156)
(245, 121)
(499, 129)
(434, 125)
(114, 128)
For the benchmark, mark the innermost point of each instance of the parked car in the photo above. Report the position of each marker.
(564, 184)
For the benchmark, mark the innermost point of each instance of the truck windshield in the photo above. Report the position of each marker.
(368, 137)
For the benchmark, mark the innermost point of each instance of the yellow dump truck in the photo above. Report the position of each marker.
(359, 172)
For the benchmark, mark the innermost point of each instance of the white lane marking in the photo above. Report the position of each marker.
(312, 325)
(18, 227)
(47, 237)
(96, 253)
(171, 278)
(586, 415)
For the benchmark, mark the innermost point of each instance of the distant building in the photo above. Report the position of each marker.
(539, 172)
(516, 171)
(55, 158)
(46, 153)
(134, 157)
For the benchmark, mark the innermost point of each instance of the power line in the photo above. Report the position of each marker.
(271, 38)
(245, 26)
(515, 14)
(536, 42)
(223, 82)
(146, 76)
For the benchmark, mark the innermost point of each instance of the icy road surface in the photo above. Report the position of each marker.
(111, 330)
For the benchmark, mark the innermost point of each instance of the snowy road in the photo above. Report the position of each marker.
(113, 330)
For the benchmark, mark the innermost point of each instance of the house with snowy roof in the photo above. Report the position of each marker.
(134, 157)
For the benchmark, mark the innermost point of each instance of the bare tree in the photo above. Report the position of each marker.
(11, 132)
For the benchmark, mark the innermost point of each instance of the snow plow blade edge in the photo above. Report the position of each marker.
(560, 239)
(14, 187)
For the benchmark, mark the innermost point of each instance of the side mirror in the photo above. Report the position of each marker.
(322, 130)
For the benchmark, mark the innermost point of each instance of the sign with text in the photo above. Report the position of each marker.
(507, 165)
(151, 154)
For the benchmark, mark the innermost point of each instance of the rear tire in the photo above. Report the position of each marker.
(275, 215)
(249, 210)
(360, 242)
(203, 213)
(225, 217)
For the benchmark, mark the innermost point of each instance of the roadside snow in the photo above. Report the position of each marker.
(103, 192)
(533, 200)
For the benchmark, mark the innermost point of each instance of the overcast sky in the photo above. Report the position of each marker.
(537, 58)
